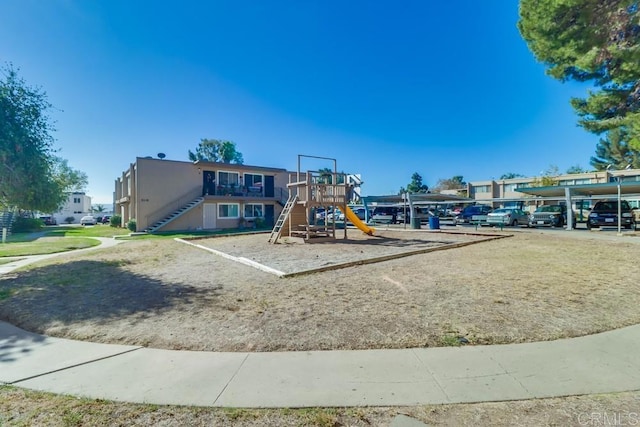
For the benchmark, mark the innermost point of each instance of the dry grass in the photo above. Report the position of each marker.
(21, 408)
(160, 293)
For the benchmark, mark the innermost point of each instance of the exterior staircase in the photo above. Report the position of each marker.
(6, 220)
(174, 215)
(283, 219)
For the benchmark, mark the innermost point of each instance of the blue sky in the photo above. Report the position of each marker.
(438, 88)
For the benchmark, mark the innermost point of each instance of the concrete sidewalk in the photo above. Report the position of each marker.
(105, 242)
(600, 363)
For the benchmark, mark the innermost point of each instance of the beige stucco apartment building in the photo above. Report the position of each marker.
(167, 195)
(504, 192)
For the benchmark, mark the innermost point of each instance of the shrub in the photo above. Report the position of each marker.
(26, 225)
(131, 225)
(115, 221)
(260, 222)
(69, 219)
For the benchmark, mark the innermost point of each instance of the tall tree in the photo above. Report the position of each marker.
(68, 178)
(614, 151)
(548, 178)
(456, 182)
(595, 41)
(415, 186)
(216, 150)
(576, 169)
(326, 176)
(32, 177)
(511, 175)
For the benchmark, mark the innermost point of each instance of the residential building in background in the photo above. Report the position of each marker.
(504, 192)
(78, 204)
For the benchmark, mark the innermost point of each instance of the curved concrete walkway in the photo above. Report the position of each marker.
(21, 261)
(599, 363)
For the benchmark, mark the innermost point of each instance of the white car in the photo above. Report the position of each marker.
(88, 220)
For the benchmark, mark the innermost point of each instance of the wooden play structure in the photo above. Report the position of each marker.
(309, 193)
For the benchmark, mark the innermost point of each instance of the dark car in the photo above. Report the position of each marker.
(605, 214)
(467, 215)
(550, 215)
(385, 214)
(106, 219)
(48, 220)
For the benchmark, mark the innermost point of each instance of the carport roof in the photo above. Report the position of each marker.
(417, 197)
(602, 189)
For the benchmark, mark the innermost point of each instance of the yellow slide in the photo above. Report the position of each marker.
(351, 216)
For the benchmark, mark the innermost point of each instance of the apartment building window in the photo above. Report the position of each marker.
(76, 200)
(253, 210)
(482, 189)
(583, 181)
(252, 180)
(228, 210)
(510, 187)
(630, 178)
(228, 178)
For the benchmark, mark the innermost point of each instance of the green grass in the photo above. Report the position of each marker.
(45, 245)
(102, 230)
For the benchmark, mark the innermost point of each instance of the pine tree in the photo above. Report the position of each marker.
(614, 151)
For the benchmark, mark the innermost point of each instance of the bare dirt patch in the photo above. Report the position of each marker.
(294, 258)
(164, 294)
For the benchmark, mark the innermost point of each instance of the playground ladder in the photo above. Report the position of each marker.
(277, 229)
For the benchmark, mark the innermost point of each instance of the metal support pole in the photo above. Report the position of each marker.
(567, 194)
(619, 208)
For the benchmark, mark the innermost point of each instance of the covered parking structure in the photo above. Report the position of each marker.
(413, 200)
(568, 193)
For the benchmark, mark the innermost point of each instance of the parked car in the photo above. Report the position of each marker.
(550, 215)
(106, 219)
(507, 216)
(403, 217)
(467, 215)
(360, 213)
(605, 214)
(335, 213)
(88, 220)
(48, 220)
(385, 214)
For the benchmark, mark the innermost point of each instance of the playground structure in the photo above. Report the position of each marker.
(309, 192)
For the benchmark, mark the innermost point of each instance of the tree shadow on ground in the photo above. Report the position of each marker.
(87, 291)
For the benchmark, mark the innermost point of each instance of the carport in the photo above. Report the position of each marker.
(607, 190)
(412, 200)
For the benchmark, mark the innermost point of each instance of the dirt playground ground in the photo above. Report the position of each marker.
(163, 293)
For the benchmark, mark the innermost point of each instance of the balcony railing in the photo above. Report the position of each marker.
(235, 190)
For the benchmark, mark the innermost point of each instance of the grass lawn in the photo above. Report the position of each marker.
(45, 245)
(101, 230)
(66, 238)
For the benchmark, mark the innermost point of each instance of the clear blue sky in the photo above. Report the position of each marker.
(388, 89)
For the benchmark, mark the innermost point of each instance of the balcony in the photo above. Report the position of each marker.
(237, 191)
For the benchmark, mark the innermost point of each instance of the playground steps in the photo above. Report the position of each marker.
(283, 219)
